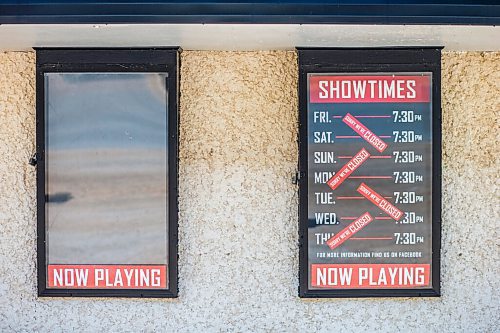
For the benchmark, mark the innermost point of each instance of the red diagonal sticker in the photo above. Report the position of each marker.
(364, 132)
(349, 168)
(349, 231)
(379, 201)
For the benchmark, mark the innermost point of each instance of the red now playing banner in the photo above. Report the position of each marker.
(107, 276)
(379, 201)
(348, 169)
(366, 276)
(369, 89)
(364, 132)
(349, 231)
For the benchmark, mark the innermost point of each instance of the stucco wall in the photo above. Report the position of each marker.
(238, 255)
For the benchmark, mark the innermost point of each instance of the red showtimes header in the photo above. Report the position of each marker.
(369, 89)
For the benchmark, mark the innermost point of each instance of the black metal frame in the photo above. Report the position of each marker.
(345, 60)
(109, 60)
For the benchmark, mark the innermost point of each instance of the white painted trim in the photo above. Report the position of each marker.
(245, 37)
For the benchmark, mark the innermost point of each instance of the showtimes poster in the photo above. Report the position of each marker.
(369, 139)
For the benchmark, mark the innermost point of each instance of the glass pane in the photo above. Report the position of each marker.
(106, 169)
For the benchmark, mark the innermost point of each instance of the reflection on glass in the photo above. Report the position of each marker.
(106, 168)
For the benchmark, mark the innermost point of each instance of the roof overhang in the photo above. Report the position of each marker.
(250, 25)
(436, 12)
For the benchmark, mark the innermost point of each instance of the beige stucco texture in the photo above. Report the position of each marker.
(238, 239)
